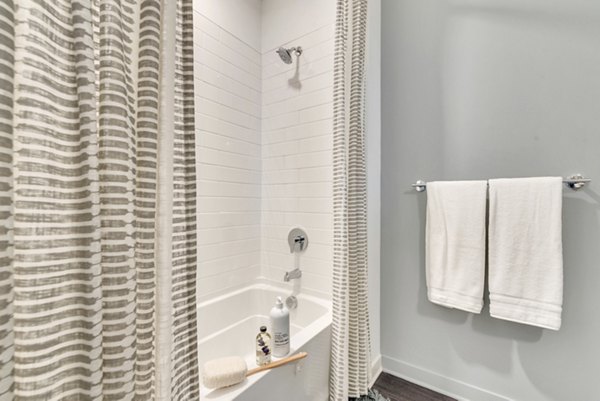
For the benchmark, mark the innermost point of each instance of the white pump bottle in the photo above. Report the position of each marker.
(280, 329)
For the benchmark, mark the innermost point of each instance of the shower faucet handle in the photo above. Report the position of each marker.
(297, 240)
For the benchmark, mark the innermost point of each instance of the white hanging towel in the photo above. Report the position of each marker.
(525, 251)
(455, 243)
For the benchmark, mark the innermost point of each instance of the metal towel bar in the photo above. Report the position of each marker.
(575, 182)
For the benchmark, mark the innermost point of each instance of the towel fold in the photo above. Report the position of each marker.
(455, 243)
(525, 250)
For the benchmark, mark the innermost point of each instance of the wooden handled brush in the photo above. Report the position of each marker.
(224, 372)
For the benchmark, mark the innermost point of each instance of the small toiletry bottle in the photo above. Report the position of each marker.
(280, 327)
(263, 347)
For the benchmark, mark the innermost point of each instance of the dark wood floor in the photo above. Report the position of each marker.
(397, 389)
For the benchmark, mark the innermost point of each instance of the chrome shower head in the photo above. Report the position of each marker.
(286, 54)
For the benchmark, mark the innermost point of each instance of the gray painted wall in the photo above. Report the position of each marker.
(481, 89)
(373, 150)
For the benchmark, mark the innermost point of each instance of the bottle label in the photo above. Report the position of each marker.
(281, 339)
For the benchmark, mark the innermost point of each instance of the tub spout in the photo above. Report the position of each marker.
(296, 273)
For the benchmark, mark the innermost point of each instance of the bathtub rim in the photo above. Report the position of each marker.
(289, 288)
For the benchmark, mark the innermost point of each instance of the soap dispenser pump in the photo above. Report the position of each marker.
(280, 329)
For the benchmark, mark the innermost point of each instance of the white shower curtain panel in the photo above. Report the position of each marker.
(97, 201)
(350, 355)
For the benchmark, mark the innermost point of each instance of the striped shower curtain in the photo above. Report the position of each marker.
(97, 200)
(349, 376)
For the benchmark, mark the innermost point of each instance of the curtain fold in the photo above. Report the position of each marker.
(97, 232)
(349, 376)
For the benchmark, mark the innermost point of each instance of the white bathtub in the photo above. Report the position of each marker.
(228, 325)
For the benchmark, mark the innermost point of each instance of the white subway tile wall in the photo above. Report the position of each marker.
(264, 157)
(297, 111)
(228, 157)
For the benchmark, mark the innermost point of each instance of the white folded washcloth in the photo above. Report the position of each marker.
(525, 251)
(455, 243)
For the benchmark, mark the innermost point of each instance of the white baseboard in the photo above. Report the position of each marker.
(442, 384)
(376, 370)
